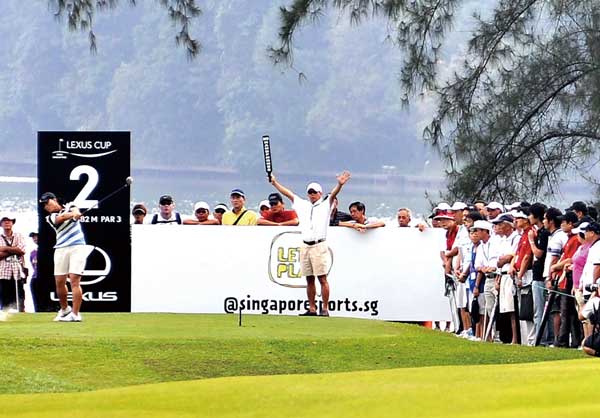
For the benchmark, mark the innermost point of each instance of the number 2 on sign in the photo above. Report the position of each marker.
(82, 201)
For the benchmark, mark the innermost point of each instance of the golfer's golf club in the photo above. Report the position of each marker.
(128, 182)
(266, 142)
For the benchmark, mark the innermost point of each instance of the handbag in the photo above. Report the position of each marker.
(526, 304)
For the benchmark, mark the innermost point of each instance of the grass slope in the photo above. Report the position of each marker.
(527, 390)
(117, 350)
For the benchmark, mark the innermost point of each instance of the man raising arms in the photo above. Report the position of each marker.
(314, 214)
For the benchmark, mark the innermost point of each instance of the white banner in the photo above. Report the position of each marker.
(389, 273)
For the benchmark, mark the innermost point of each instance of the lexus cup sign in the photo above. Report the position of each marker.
(85, 167)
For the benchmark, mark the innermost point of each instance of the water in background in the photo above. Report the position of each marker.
(19, 195)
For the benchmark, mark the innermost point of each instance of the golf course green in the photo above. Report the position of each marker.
(206, 365)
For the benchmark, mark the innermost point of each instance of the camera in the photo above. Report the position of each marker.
(591, 287)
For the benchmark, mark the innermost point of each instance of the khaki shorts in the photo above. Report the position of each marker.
(71, 259)
(315, 259)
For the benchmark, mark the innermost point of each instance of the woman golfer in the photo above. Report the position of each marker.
(70, 254)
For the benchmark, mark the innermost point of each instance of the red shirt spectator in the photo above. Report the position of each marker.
(281, 216)
(523, 249)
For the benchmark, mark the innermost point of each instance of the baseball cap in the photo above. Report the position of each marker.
(578, 206)
(264, 203)
(458, 206)
(8, 216)
(239, 192)
(503, 217)
(47, 196)
(444, 215)
(512, 206)
(518, 214)
(314, 186)
(221, 206)
(592, 226)
(495, 206)
(580, 228)
(275, 198)
(443, 206)
(569, 217)
(201, 205)
(165, 200)
(482, 225)
(139, 208)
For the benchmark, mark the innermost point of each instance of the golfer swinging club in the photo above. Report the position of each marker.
(70, 254)
(314, 215)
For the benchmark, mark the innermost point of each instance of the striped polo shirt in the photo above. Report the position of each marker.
(69, 232)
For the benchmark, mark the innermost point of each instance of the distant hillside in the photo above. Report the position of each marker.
(211, 111)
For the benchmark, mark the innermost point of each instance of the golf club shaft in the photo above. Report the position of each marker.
(105, 198)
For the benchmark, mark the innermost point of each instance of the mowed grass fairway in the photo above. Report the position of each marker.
(165, 364)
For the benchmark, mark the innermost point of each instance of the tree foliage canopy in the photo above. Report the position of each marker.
(80, 16)
(523, 106)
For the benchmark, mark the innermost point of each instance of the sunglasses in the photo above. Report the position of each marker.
(312, 191)
(201, 211)
(221, 211)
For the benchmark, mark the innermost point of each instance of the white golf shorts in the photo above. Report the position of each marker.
(461, 295)
(507, 295)
(71, 259)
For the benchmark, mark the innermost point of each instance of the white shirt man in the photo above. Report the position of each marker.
(314, 214)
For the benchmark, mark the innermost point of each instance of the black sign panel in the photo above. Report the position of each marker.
(84, 168)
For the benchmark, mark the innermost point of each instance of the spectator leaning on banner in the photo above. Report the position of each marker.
(166, 214)
(359, 221)
(219, 210)
(263, 209)
(278, 215)
(239, 215)
(201, 215)
(139, 212)
(338, 216)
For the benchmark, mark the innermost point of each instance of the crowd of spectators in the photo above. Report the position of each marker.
(523, 273)
(271, 212)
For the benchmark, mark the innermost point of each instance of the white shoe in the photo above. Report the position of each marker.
(76, 318)
(62, 313)
(70, 317)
